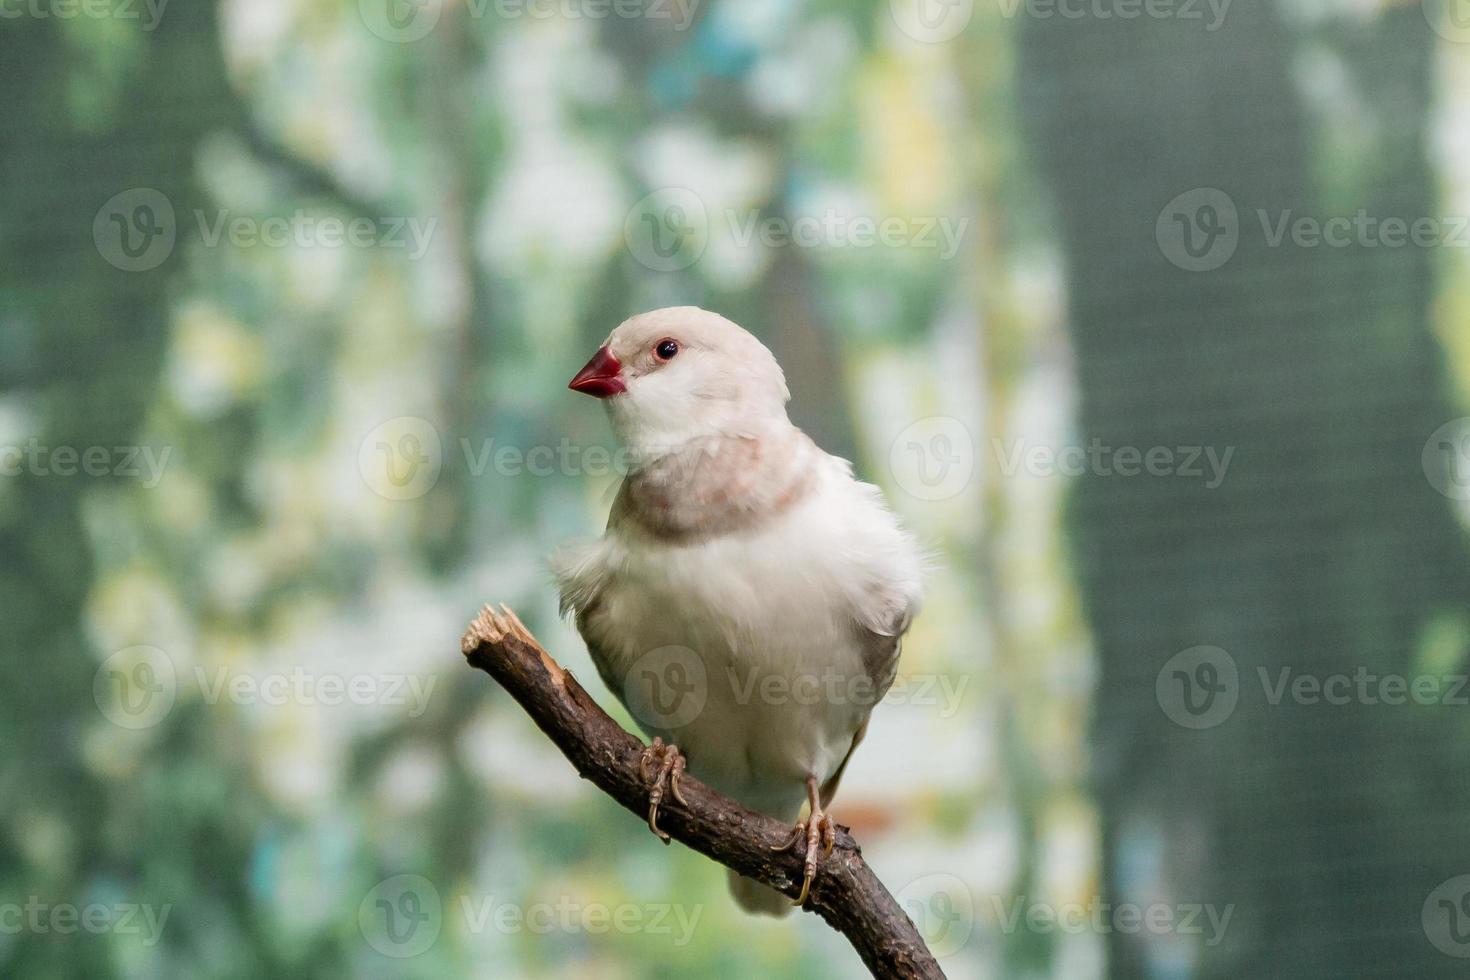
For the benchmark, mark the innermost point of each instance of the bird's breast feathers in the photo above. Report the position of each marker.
(788, 582)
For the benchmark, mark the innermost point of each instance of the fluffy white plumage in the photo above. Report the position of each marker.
(739, 550)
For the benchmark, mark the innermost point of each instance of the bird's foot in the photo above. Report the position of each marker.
(820, 834)
(670, 763)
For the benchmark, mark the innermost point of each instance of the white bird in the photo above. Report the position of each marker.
(748, 597)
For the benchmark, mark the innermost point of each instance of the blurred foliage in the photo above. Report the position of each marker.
(266, 378)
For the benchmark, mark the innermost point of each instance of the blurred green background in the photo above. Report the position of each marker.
(1110, 298)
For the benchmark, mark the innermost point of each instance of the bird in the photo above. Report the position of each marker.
(748, 598)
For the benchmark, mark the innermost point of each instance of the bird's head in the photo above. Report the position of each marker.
(683, 373)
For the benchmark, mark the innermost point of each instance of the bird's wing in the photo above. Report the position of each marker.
(829, 788)
(601, 659)
(881, 649)
(581, 573)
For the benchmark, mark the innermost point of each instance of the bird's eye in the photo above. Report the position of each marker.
(666, 349)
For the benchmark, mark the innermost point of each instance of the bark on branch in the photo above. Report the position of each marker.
(845, 893)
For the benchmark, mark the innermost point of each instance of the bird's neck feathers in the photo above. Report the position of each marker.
(717, 483)
(650, 428)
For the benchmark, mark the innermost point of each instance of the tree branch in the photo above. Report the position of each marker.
(845, 893)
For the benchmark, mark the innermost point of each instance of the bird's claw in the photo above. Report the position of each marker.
(820, 833)
(671, 765)
(821, 837)
(791, 838)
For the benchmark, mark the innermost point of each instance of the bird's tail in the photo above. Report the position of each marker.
(758, 899)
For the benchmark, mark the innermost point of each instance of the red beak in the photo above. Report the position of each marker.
(600, 378)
